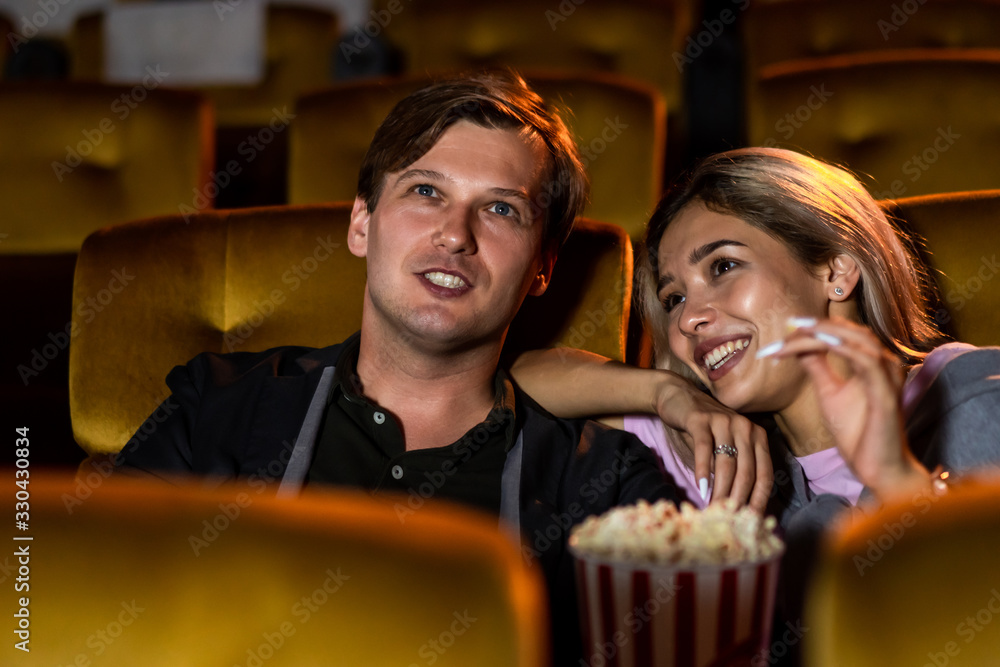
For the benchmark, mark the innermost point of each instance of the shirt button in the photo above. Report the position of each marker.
(397, 472)
(379, 417)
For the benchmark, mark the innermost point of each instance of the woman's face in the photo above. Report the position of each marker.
(728, 290)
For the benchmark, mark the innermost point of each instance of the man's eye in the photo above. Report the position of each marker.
(425, 190)
(671, 301)
(501, 208)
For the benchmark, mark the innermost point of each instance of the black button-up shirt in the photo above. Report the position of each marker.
(361, 445)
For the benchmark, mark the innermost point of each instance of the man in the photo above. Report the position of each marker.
(467, 191)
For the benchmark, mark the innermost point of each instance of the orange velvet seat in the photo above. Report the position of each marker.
(127, 574)
(915, 121)
(152, 294)
(620, 127)
(915, 583)
(962, 231)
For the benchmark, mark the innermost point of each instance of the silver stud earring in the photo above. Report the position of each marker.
(839, 291)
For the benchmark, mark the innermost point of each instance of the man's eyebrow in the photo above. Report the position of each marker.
(696, 256)
(429, 174)
(507, 192)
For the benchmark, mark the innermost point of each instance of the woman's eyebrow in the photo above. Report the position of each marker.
(696, 256)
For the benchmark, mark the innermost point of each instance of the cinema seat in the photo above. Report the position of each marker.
(79, 156)
(962, 233)
(619, 125)
(251, 279)
(299, 52)
(910, 122)
(783, 30)
(914, 583)
(125, 574)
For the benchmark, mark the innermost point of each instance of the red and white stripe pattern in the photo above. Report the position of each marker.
(667, 617)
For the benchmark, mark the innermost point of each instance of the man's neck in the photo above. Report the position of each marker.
(436, 397)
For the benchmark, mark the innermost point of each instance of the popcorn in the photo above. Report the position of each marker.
(662, 534)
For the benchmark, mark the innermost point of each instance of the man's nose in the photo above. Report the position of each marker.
(456, 231)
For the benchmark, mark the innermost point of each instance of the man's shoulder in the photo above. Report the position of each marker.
(283, 361)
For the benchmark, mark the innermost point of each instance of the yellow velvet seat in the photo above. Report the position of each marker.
(299, 56)
(127, 574)
(915, 121)
(637, 39)
(915, 583)
(620, 127)
(152, 294)
(962, 231)
(780, 30)
(80, 156)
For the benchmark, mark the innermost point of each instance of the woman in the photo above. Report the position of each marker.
(777, 282)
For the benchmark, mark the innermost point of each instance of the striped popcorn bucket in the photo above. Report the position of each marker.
(692, 616)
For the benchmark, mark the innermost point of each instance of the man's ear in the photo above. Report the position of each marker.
(357, 231)
(544, 275)
(842, 276)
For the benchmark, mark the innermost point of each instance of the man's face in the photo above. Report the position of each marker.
(454, 244)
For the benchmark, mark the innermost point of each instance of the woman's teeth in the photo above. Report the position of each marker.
(720, 355)
(445, 279)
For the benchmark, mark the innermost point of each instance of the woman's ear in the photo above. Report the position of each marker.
(842, 276)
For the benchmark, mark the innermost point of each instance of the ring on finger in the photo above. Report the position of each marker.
(728, 450)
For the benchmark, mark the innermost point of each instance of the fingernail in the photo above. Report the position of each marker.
(768, 350)
(827, 338)
(703, 488)
(799, 322)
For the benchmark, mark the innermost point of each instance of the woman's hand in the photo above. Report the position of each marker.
(704, 425)
(858, 384)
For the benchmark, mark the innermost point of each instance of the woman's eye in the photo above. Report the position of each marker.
(501, 208)
(425, 190)
(721, 266)
(672, 301)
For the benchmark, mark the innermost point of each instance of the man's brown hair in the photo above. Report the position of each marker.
(499, 100)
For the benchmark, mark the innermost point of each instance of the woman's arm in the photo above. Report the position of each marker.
(574, 383)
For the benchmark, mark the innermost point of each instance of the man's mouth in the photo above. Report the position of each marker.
(718, 357)
(448, 280)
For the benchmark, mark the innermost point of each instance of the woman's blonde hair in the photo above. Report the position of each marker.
(817, 211)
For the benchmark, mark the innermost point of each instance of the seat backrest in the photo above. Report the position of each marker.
(620, 127)
(152, 294)
(80, 156)
(916, 121)
(915, 583)
(299, 51)
(146, 574)
(780, 30)
(634, 38)
(962, 233)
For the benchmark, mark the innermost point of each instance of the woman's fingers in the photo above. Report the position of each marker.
(765, 471)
